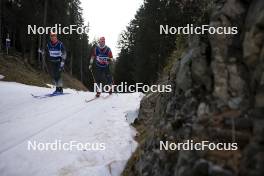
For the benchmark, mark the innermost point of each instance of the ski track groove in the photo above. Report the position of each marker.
(17, 104)
(68, 116)
(39, 113)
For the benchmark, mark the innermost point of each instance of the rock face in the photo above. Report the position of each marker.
(218, 95)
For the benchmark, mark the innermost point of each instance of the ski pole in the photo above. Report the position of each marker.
(92, 75)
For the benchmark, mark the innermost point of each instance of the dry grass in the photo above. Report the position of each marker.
(16, 70)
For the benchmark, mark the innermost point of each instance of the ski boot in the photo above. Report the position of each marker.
(60, 90)
(98, 94)
(56, 91)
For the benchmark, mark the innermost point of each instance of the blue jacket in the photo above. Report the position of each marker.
(102, 56)
(57, 52)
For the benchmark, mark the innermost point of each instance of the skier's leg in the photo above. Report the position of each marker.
(108, 75)
(60, 78)
(51, 69)
(98, 79)
(57, 77)
(109, 78)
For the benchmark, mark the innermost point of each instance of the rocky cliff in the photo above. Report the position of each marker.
(218, 95)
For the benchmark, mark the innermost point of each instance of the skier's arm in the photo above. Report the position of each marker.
(63, 56)
(64, 53)
(45, 53)
(92, 60)
(110, 55)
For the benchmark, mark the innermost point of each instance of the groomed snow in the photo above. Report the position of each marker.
(65, 118)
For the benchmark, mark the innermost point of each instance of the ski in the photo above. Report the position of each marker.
(47, 95)
(89, 100)
(105, 97)
(95, 98)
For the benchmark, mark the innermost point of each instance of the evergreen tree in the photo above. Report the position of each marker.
(144, 51)
(16, 15)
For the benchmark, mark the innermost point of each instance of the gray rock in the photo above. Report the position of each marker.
(218, 171)
(234, 103)
(235, 81)
(183, 80)
(220, 81)
(259, 100)
(201, 73)
(203, 109)
(259, 130)
(218, 95)
(201, 167)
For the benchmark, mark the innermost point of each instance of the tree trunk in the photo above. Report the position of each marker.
(39, 54)
(32, 51)
(14, 39)
(81, 59)
(71, 63)
(44, 66)
(23, 42)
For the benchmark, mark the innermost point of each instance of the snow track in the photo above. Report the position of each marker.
(65, 118)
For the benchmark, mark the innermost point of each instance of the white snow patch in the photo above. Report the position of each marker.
(66, 118)
(2, 76)
(131, 115)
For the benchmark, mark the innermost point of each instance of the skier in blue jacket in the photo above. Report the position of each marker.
(56, 56)
(102, 55)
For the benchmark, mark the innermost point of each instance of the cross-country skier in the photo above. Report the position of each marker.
(56, 56)
(102, 55)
